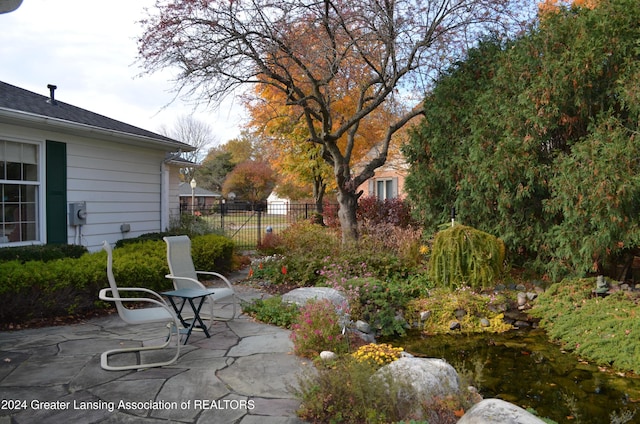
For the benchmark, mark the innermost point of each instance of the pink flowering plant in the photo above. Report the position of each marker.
(343, 276)
(318, 328)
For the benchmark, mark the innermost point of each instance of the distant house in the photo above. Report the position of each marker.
(205, 201)
(71, 176)
(388, 181)
(277, 205)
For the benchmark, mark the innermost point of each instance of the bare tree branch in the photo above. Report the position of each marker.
(316, 52)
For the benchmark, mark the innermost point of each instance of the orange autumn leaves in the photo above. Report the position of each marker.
(552, 6)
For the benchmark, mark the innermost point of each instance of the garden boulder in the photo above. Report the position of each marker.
(496, 411)
(302, 295)
(426, 377)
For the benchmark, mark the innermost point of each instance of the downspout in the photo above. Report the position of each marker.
(164, 196)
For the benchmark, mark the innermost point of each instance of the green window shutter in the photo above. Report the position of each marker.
(56, 192)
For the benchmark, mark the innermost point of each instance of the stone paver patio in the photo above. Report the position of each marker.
(242, 374)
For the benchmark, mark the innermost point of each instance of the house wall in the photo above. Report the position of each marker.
(174, 193)
(368, 187)
(120, 183)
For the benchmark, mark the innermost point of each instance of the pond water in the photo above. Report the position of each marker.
(524, 368)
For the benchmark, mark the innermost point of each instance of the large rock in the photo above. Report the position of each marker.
(496, 411)
(425, 377)
(302, 295)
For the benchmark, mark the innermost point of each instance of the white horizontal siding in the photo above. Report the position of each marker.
(121, 184)
(174, 192)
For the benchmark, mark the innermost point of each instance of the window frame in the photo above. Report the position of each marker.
(389, 186)
(38, 183)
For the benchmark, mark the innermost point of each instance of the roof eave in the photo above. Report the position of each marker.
(84, 130)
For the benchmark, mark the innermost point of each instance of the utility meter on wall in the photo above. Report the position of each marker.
(77, 213)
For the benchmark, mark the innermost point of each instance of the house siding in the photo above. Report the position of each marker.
(120, 183)
(368, 187)
(174, 193)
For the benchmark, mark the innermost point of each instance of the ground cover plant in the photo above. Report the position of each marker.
(602, 329)
(468, 307)
(272, 310)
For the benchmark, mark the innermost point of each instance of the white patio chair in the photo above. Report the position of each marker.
(160, 313)
(184, 275)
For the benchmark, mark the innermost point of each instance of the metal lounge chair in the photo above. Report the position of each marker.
(184, 275)
(161, 313)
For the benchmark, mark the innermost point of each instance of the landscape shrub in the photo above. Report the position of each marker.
(306, 248)
(212, 252)
(36, 289)
(380, 302)
(143, 237)
(192, 225)
(330, 215)
(44, 290)
(270, 244)
(405, 242)
(45, 252)
(373, 210)
(343, 393)
(464, 256)
(305, 235)
(370, 300)
(142, 264)
(305, 245)
(317, 328)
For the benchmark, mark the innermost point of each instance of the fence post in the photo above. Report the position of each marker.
(259, 228)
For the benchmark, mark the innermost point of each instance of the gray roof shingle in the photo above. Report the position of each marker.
(19, 99)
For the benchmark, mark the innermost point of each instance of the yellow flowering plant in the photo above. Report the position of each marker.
(377, 354)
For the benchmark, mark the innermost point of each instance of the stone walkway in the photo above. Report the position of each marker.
(243, 374)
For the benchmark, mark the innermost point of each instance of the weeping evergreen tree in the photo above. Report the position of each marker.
(464, 256)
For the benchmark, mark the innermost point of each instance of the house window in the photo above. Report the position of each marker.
(19, 192)
(385, 189)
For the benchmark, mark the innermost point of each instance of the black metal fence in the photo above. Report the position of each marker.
(247, 224)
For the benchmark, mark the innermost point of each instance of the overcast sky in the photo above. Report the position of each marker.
(88, 49)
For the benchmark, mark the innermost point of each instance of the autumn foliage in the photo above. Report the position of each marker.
(343, 72)
(553, 6)
(250, 180)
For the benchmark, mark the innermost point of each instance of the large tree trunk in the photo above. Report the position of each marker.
(319, 188)
(348, 202)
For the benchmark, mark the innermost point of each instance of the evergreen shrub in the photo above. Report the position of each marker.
(61, 287)
(464, 256)
(212, 252)
(45, 252)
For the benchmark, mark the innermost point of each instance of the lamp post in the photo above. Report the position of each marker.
(193, 195)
